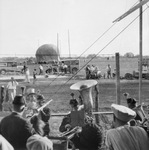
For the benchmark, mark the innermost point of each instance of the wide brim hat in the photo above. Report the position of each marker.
(84, 84)
(123, 113)
(31, 91)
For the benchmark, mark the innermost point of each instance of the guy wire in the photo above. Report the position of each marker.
(101, 49)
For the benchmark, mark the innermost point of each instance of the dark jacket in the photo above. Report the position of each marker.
(16, 130)
(66, 120)
(91, 138)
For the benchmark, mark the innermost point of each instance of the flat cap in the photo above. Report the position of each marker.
(123, 113)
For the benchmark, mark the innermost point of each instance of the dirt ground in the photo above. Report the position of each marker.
(59, 90)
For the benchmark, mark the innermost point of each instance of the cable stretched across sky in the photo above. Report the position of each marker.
(100, 50)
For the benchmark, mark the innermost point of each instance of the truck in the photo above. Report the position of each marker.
(10, 66)
(145, 69)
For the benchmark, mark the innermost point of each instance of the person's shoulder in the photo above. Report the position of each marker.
(137, 129)
(111, 132)
(7, 117)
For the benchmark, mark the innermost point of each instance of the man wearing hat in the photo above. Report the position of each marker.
(132, 104)
(31, 100)
(14, 127)
(123, 136)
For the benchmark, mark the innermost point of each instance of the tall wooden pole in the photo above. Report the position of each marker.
(97, 103)
(69, 44)
(58, 47)
(118, 101)
(140, 57)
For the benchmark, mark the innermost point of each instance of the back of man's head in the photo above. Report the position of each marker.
(19, 103)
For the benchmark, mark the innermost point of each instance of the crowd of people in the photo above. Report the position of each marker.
(93, 72)
(22, 131)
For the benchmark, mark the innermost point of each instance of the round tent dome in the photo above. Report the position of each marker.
(47, 53)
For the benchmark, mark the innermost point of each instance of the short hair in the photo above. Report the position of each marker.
(131, 100)
(73, 102)
(45, 114)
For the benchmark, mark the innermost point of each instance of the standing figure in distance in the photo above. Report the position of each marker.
(11, 86)
(27, 74)
(108, 71)
(34, 76)
(40, 69)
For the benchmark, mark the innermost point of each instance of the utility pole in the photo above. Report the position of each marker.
(69, 44)
(140, 52)
(138, 6)
(118, 99)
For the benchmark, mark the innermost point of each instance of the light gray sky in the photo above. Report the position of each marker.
(27, 24)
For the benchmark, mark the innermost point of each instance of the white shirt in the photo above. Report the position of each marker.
(12, 85)
(40, 67)
(4, 144)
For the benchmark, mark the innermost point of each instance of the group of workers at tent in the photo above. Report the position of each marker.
(33, 132)
(93, 72)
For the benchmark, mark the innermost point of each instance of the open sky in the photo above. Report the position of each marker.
(27, 24)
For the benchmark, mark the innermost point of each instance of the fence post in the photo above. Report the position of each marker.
(2, 96)
(23, 90)
(118, 101)
(96, 104)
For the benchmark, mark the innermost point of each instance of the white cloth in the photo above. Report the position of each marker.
(37, 142)
(127, 138)
(4, 144)
(12, 85)
(40, 67)
(27, 73)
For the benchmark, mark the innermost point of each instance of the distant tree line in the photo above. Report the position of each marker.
(33, 59)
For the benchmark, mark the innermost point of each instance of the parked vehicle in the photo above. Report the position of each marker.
(10, 66)
(145, 69)
(73, 65)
